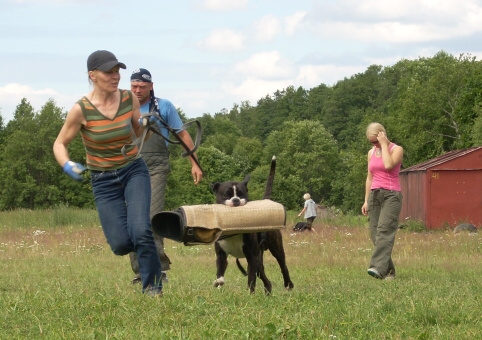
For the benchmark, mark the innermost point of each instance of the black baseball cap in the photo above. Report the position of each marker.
(103, 60)
(141, 74)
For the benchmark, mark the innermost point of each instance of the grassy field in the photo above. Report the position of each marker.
(61, 281)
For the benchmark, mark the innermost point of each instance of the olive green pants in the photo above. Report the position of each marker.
(384, 208)
(159, 169)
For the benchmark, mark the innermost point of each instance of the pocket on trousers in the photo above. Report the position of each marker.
(95, 176)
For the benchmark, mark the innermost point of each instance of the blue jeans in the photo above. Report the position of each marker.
(123, 200)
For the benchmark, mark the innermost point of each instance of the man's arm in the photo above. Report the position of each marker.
(195, 169)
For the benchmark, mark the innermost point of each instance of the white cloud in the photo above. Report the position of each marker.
(194, 103)
(260, 75)
(224, 5)
(386, 32)
(443, 12)
(313, 75)
(267, 28)
(12, 94)
(252, 89)
(396, 21)
(268, 65)
(266, 73)
(21, 91)
(223, 40)
(293, 22)
(404, 10)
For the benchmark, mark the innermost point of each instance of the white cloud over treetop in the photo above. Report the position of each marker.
(268, 65)
(24, 90)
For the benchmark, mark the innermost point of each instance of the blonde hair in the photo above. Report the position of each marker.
(306, 196)
(374, 128)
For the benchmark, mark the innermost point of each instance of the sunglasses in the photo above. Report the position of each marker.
(373, 142)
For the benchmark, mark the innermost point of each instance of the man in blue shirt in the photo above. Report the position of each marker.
(156, 155)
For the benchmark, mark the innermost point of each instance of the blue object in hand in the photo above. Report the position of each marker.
(74, 170)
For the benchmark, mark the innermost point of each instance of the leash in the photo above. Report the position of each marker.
(188, 152)
(150, 126)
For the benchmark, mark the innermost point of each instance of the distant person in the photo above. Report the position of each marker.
(107, 118)
(309, 210)
(383, 199)
(156, 155)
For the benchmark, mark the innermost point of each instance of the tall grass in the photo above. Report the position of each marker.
(48, 219)
(61, 281)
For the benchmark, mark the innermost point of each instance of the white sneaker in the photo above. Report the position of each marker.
(375, 273)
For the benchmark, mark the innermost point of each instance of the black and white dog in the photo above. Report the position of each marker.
(300, 226)
(252, 245)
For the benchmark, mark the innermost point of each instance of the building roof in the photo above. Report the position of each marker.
(441, 159)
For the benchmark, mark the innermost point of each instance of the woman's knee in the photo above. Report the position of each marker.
(121, 248)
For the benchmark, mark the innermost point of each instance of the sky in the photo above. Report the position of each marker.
(209, 55)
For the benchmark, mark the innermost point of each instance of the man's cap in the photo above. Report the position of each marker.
(141, 74)
(103, 60)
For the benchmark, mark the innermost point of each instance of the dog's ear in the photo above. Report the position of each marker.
(246, 179)
(215, 186)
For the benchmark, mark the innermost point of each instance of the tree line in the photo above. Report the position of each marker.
(428, 105)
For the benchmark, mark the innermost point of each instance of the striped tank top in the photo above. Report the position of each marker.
(104, 138)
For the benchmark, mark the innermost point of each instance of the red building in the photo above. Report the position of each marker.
(444, 191)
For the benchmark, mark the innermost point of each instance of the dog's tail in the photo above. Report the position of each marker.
(269, 182)
(241, 269)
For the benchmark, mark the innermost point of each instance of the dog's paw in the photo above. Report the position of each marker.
(219, 282)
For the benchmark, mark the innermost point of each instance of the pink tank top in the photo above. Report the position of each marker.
(383, 178)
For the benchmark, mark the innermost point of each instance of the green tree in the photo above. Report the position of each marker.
(435, 107)
(317, 98)
(2, 130)
(247, 120)
(29, 175)
(307, 158)
(17, 161)
(249, 152)
(349, 102)
(349, 188)
(477, 128)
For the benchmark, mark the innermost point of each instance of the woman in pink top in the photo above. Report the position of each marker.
(383, 199)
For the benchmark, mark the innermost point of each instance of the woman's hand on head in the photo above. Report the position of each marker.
(382, 138)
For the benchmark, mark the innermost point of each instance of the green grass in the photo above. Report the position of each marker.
(61, 281)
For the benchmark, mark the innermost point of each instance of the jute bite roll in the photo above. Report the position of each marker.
(205, 223)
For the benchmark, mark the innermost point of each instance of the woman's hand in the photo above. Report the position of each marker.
(364, 209)
(382, 139)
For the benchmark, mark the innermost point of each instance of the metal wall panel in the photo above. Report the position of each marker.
(444, 191)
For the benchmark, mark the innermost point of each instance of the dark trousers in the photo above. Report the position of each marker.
(310, 220)
(384, 208)
(159, 169)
